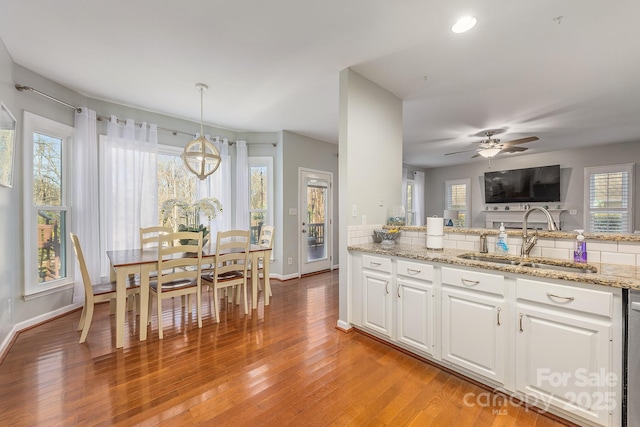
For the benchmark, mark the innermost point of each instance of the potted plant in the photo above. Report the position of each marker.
(185, 216)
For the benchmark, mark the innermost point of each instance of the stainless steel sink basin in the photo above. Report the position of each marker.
(567, 268)
(519, 262)
(473, 257)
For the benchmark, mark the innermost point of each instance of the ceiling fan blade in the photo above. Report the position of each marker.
(458, 152)
(513, 149)
(521, 140)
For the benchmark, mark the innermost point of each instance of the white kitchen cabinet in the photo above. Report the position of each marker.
(555, 344)
(415, 318)
(377, 298)
(473, 316)
(564, 349)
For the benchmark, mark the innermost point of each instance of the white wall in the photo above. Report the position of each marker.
(9, 220)
(370, 151)
(302, 151)
(572, 164)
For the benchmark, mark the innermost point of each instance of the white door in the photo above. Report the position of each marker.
(415, 316)
(565, 359)
(473, 332)
(376, 307)
(315, 220)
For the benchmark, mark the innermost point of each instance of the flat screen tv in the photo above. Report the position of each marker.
(539, 184)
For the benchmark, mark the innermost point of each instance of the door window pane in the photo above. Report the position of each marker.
(258, 199)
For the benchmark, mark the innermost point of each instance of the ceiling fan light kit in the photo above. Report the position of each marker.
(491, 147)
(489, 152)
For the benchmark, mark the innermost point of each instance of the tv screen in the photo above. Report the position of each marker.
(540, 184)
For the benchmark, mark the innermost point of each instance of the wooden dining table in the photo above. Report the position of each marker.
(126, 262)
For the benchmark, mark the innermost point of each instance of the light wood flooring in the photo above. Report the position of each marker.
(285, 364)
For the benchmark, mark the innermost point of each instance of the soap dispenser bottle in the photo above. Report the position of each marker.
(580, 253)
(501, 242)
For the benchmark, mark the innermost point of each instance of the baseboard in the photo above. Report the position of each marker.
(283, 278)
(344, 326)
(30, 323)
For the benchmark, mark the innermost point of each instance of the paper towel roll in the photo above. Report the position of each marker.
(435, 226)
(435, 242)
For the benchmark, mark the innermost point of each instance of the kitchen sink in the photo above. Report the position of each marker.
(473, 257)
(519, 262)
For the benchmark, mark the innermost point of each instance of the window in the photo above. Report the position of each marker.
(409, 207)
(260, 194)
(608, 199)
(174, 179)
(458, 197)
(47, 196)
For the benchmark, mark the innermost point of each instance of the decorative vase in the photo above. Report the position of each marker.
(396, 216)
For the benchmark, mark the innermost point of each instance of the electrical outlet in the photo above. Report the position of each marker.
(290, 261)
(573, 212)
(354, 210)
(364, 220)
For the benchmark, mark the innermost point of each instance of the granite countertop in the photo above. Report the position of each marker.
(614, 275)
(617, 237)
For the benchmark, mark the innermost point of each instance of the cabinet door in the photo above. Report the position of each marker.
(376, 307)
(564, 359)
(473, 332)
(415, 317)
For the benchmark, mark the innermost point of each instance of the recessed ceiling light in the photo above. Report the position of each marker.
(464, 24)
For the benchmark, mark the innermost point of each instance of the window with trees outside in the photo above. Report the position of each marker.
(260, 194)
(609, 199)
(47, 196)
(458, 197)
(174, 179)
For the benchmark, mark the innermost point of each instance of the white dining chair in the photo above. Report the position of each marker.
(95, 293)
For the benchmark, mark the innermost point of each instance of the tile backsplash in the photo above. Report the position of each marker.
(610, 252)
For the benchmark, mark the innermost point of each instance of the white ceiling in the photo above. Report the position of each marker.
(272, 65)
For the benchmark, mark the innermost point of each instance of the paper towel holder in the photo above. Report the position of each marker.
(450, 216)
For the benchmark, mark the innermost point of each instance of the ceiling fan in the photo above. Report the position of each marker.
(491, 147)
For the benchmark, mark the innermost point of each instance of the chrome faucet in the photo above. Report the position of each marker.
(528, 242)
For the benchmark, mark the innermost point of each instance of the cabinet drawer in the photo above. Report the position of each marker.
(415, 270)
(569, 297)
(491, 283)
(376, 263)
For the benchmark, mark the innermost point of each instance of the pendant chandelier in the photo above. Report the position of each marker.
(200, 156)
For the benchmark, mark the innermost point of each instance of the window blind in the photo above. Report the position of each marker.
(610, 201)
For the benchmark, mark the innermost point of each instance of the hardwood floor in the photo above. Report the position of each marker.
(286, 364)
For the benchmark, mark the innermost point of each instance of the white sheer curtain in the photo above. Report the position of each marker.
(130, 181)
(405, 184)
(242, 186)
(86, 214)
(418, 197)
(218, 185)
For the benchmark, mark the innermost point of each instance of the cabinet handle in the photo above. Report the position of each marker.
(374, 264)
(398, 291)
(412, 271)
(550, 295)
(386, 287)
(471, 282)
(521, 330)
(499, 310)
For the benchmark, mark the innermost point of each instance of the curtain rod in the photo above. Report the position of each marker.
(21, 88)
